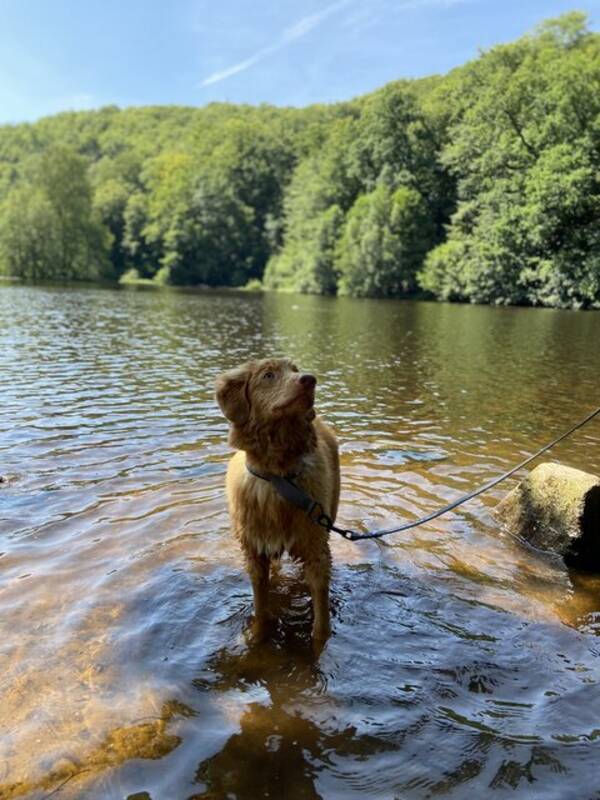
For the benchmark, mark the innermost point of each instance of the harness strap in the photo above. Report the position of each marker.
(284, 486)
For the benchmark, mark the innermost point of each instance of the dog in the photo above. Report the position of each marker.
(274, 428)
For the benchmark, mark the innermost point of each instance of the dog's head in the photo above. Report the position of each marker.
(266, 392)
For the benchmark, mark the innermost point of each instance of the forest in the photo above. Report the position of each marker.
(482, 185)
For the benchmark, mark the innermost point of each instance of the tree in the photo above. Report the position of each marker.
(114, 182)
(383, 243)
(524, 147)
(48, 227)
(320, 192)
(309, 266)
(209, 208)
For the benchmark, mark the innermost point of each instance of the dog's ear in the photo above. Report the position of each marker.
(232, 394)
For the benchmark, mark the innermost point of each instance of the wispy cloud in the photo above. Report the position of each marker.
(362, 18)
(289, 35)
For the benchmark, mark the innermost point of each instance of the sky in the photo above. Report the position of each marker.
(58, 55)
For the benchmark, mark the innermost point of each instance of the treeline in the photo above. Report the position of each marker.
(482, 185)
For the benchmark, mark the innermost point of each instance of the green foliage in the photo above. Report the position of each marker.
(482, 185)
(309, 265)
(321, 190)
(114, 181)
(444, 272)
(131, 275)
(383, 243)
(253, 285)
(48, 227)
(389, 145)
(163, 276)
(525, 148)
(399, 142)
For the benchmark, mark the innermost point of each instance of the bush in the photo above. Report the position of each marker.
(130, 276)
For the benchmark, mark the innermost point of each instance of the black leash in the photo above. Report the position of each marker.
(285, 486)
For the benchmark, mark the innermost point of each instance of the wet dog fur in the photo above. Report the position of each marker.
(270, 407)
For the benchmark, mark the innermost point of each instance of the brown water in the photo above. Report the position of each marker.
(462, 664)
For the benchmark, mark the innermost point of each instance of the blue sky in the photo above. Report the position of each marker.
(71, 54)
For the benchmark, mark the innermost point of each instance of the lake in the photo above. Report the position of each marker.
(462, 663)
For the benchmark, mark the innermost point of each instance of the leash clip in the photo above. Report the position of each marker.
(317, 515)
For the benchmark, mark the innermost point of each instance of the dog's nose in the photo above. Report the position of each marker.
(308, 380)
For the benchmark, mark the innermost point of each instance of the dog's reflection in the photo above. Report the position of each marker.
(275, 752)
(279, 750)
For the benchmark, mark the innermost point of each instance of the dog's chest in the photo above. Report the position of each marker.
(270, 524)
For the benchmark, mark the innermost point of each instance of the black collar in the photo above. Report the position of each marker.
(269, 476)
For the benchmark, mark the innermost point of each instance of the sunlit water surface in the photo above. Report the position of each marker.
(462, 664)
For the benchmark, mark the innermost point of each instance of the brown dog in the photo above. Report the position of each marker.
(270, 407)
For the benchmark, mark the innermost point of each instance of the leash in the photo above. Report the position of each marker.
(285, 486)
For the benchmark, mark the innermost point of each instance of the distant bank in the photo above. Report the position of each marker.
(481, 186)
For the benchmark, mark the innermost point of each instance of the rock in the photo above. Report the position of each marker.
(557, 508)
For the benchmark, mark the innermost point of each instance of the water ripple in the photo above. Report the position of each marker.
(461, 664)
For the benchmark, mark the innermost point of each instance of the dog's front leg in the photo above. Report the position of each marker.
(316, 573)
(258, 565)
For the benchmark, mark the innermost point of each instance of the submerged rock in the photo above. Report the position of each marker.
(557, 508)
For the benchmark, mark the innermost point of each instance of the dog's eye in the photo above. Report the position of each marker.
(268, 376)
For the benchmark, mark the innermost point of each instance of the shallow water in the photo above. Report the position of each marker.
(462, 663)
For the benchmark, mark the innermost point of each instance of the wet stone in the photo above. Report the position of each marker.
(557, 509)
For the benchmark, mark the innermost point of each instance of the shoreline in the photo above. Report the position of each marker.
(148, 283)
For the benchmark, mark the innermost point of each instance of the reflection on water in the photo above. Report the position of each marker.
(462, 664)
